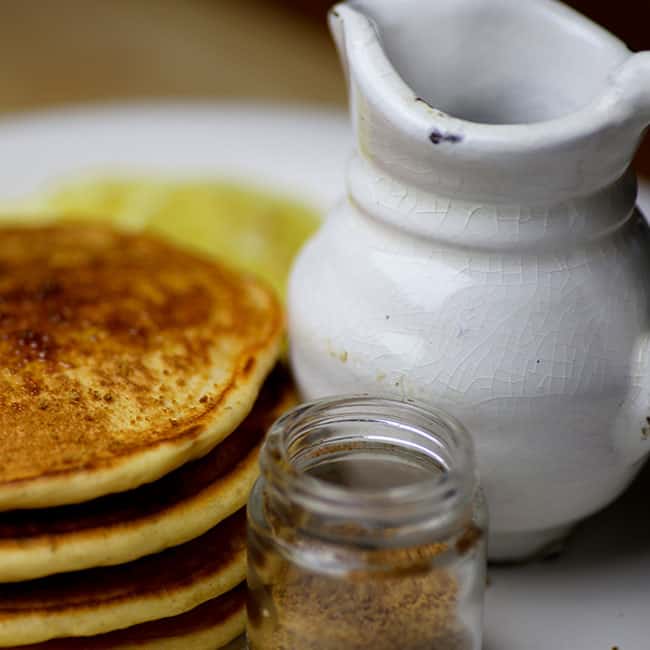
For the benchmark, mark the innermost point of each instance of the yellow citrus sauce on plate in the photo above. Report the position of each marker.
(252, 229)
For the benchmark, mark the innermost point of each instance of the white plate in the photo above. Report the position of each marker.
(301, 151)
(597, 595)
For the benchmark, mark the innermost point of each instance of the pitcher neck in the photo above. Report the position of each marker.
(480, 223)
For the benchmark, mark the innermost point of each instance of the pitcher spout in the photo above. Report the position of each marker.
(491, 102)
(632, 83)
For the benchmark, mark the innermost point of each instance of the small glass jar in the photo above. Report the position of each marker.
(366, 531)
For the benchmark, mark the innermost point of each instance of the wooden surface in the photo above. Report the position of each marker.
(58, 52)
(55, 52)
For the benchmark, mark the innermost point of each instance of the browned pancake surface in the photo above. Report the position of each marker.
(203, 617)
(151, 500)
(112, 343)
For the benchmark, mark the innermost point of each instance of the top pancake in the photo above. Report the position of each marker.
(121, 358)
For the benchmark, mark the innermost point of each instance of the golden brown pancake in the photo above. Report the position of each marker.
(121, 358)
(96, 601)
(206, 627)
(122, 527)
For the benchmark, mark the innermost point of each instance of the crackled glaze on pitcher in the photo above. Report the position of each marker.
(489, 258)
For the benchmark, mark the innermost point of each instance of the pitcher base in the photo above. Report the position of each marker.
(527, 546)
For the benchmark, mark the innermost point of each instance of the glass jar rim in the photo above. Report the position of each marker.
(442, 495)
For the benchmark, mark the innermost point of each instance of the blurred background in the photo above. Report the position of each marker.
(57, 52)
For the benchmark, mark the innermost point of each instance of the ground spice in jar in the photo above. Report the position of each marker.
(407, 605)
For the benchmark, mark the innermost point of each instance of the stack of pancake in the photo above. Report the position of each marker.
(136, 383)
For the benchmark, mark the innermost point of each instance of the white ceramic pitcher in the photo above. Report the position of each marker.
(489, 258)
